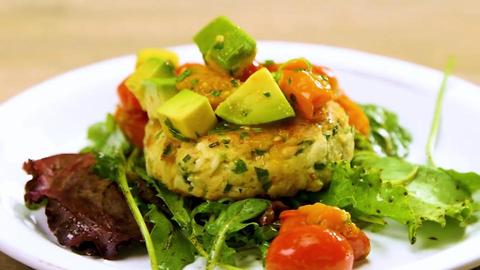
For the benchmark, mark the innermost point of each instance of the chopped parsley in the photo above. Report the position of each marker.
(225, 141)
(258, 152)
(216, 93)
(239, 166)
(306, 142)
(186, 158)
(184, 75)
(223, 127)
(243, 135)
(214, 144)
(299, 151)
(168, 67)
(269, 62)
(319, 166)
(227, 188)
(167, 150)
(175, 132)
(264, 178)
(194, 82)
(334, 130)
(234, 83)
(267, 94)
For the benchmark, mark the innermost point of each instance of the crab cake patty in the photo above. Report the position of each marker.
(274, 160)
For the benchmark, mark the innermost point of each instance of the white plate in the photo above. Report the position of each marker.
(52, 117)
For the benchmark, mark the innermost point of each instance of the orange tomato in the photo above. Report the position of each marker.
(327, 217)
(309, 247)
(308, 92)
(356, 115)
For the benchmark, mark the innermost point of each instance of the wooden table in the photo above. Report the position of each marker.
(39, 39)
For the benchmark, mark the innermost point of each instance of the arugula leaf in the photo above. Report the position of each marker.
(386, 135)
(232, 219)
(174, 202)
(172, 249)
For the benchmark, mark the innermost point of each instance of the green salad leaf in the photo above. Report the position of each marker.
(375, 187)
(232, 219)
(110, 146)
(107, 138)
(172, 249)
(387, 136)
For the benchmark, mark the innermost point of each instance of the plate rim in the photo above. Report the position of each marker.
(469, 258)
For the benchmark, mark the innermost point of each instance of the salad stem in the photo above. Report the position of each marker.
(432, 137)
(132, 204)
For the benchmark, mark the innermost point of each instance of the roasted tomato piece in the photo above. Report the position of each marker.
(309, 247)
(328, 217)
(307, 91)
(130, 116)
(249, 70)
(127, 99)
(206, 81)
(356, 115)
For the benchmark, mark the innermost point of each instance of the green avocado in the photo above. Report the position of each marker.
(257, 101)
(225, 47)
(187, 115)
(156, 91)
(151, 68)
(147, 53)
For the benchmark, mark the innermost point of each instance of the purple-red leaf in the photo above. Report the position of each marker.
(84, 211)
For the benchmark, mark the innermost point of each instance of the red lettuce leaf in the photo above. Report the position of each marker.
(84, 211)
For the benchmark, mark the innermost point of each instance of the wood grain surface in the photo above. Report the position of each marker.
(43, 38)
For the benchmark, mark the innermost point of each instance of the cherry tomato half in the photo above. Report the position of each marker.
(309, 247)
(328, 217)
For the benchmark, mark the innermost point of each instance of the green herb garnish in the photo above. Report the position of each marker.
(239, 166)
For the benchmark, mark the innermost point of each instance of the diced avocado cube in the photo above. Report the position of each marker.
(162, 54)
(225, 47)
(156, 91)
(257, 101)
(187, 115)
(152, 68)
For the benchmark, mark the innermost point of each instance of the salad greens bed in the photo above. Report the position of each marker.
(377, 184)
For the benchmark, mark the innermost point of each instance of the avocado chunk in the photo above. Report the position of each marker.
(144, 54)
(225, 47)
(257, 101)
(152, 68)
(187, 115)
(156, 91)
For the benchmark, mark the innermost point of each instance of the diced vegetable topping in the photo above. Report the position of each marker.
(206, 81)
(156, 92)
(259, 100)
(187, 114)
(152, 68)
(225, 47)
(356, 116)
(162, 54)
(306, 90)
